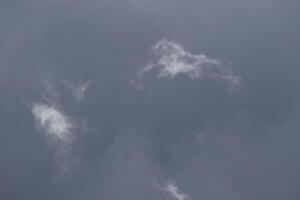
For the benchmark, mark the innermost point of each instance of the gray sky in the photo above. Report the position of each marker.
(149, 99)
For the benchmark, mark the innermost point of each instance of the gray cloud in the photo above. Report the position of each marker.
(177, 120)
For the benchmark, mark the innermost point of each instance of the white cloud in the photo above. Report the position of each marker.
(59, 129)
(173, 59)
(54, 122)
(174, 192)
(79, 90)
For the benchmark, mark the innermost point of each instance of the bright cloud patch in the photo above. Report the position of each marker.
(56, 124)
(174, 192)
(173, 60)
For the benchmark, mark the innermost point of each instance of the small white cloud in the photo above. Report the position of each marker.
(79, 90)
(59, 129)
(171, 190)
(173, 59)
(53, 121)
(174, 192)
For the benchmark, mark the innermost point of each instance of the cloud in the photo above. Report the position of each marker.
(78, 90)
(53, 121)
(173, 59)
(174, 192)
(59, 129)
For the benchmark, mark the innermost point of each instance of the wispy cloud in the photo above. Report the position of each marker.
(174, 192)
(79, 90)
(59, 130)
(171, 190)
(173, 59)
(54, 122)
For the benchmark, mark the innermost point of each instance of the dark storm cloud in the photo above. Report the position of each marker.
(149, 138)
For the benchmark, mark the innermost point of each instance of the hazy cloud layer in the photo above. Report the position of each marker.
(92, 96)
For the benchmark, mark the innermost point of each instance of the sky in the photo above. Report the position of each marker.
(149, 100)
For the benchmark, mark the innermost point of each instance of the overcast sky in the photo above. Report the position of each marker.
(149, 100)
